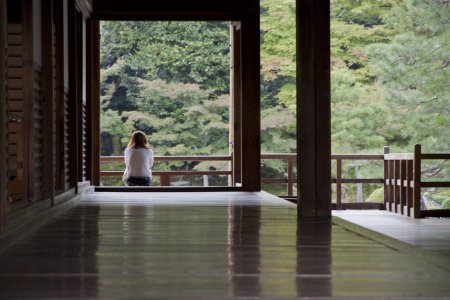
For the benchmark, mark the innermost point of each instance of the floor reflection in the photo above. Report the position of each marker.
(58, 261)
(243, 250)
(314, 257)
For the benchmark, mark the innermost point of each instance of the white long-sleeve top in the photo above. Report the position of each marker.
(138, 162)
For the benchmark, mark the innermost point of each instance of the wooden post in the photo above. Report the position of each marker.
(416, 179)
(250, 103)
(164, 180)
(28, 100)
(290, 177)
(402, 207)
(59, 95)
(235, 111)
(313, 108)
(3, 117)
(396, 188)
(339, 183)
(93, 71)
(386, 178)
(73, 98)
(409, 188)
(48, 155)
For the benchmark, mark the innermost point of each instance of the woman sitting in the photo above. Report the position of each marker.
(138, 161)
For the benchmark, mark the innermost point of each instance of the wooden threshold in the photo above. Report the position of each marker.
(167, 189)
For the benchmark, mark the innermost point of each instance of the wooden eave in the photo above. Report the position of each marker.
(173, 9)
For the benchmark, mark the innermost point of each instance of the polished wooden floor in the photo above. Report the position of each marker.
(206, 246)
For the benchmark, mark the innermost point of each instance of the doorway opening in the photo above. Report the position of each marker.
(178, 82)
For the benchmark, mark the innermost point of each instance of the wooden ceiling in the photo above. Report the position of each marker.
(173, 9)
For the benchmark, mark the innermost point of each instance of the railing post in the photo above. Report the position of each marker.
(164, 179)
(386, 178)
(417, 177)
(338, 183)
(290, 177)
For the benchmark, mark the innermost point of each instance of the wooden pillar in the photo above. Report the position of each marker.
(28, 99)
(3, 124)
(313, 108)
(48, 181)
(251, 123)
(73, 97)
(93, 101)
(235, 111)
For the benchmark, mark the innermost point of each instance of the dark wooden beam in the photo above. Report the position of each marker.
(236, 93)
(313, 108)
(48, 155)
(59, 90)
(28, 100)
(93, 35)
(73, 97)
(250, 103)
(3, 124)
(172, 9)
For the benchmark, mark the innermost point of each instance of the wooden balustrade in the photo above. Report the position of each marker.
(402, 177)
(403, 183)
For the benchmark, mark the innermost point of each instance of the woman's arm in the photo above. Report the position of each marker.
(151, 158)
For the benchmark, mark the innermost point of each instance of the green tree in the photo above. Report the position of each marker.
(414, 71)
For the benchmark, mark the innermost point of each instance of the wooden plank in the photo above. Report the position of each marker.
(167, 189)
(399, 156)
(15, 95)
(15, 73)
(435, 156)
(357, 156)
(15, 62)
(359, 205)
(435, 184)
(173, 158)
(15, 51)
(15, 83)
(15, 106)
(359, 180)
(435, 213)
(15, 39)
(14, 28)
(174, 173)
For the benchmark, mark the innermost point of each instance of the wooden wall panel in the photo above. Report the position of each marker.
(15, 107)
(37, 135)
(3, 116)
(66, 156)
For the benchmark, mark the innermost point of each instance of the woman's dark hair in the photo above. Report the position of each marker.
(138, 140)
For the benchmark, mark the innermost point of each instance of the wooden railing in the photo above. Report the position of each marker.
(402, 177)
(339, 180)
(403, 183)
(165, 175)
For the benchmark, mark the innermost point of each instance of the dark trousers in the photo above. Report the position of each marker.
(139, 181)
